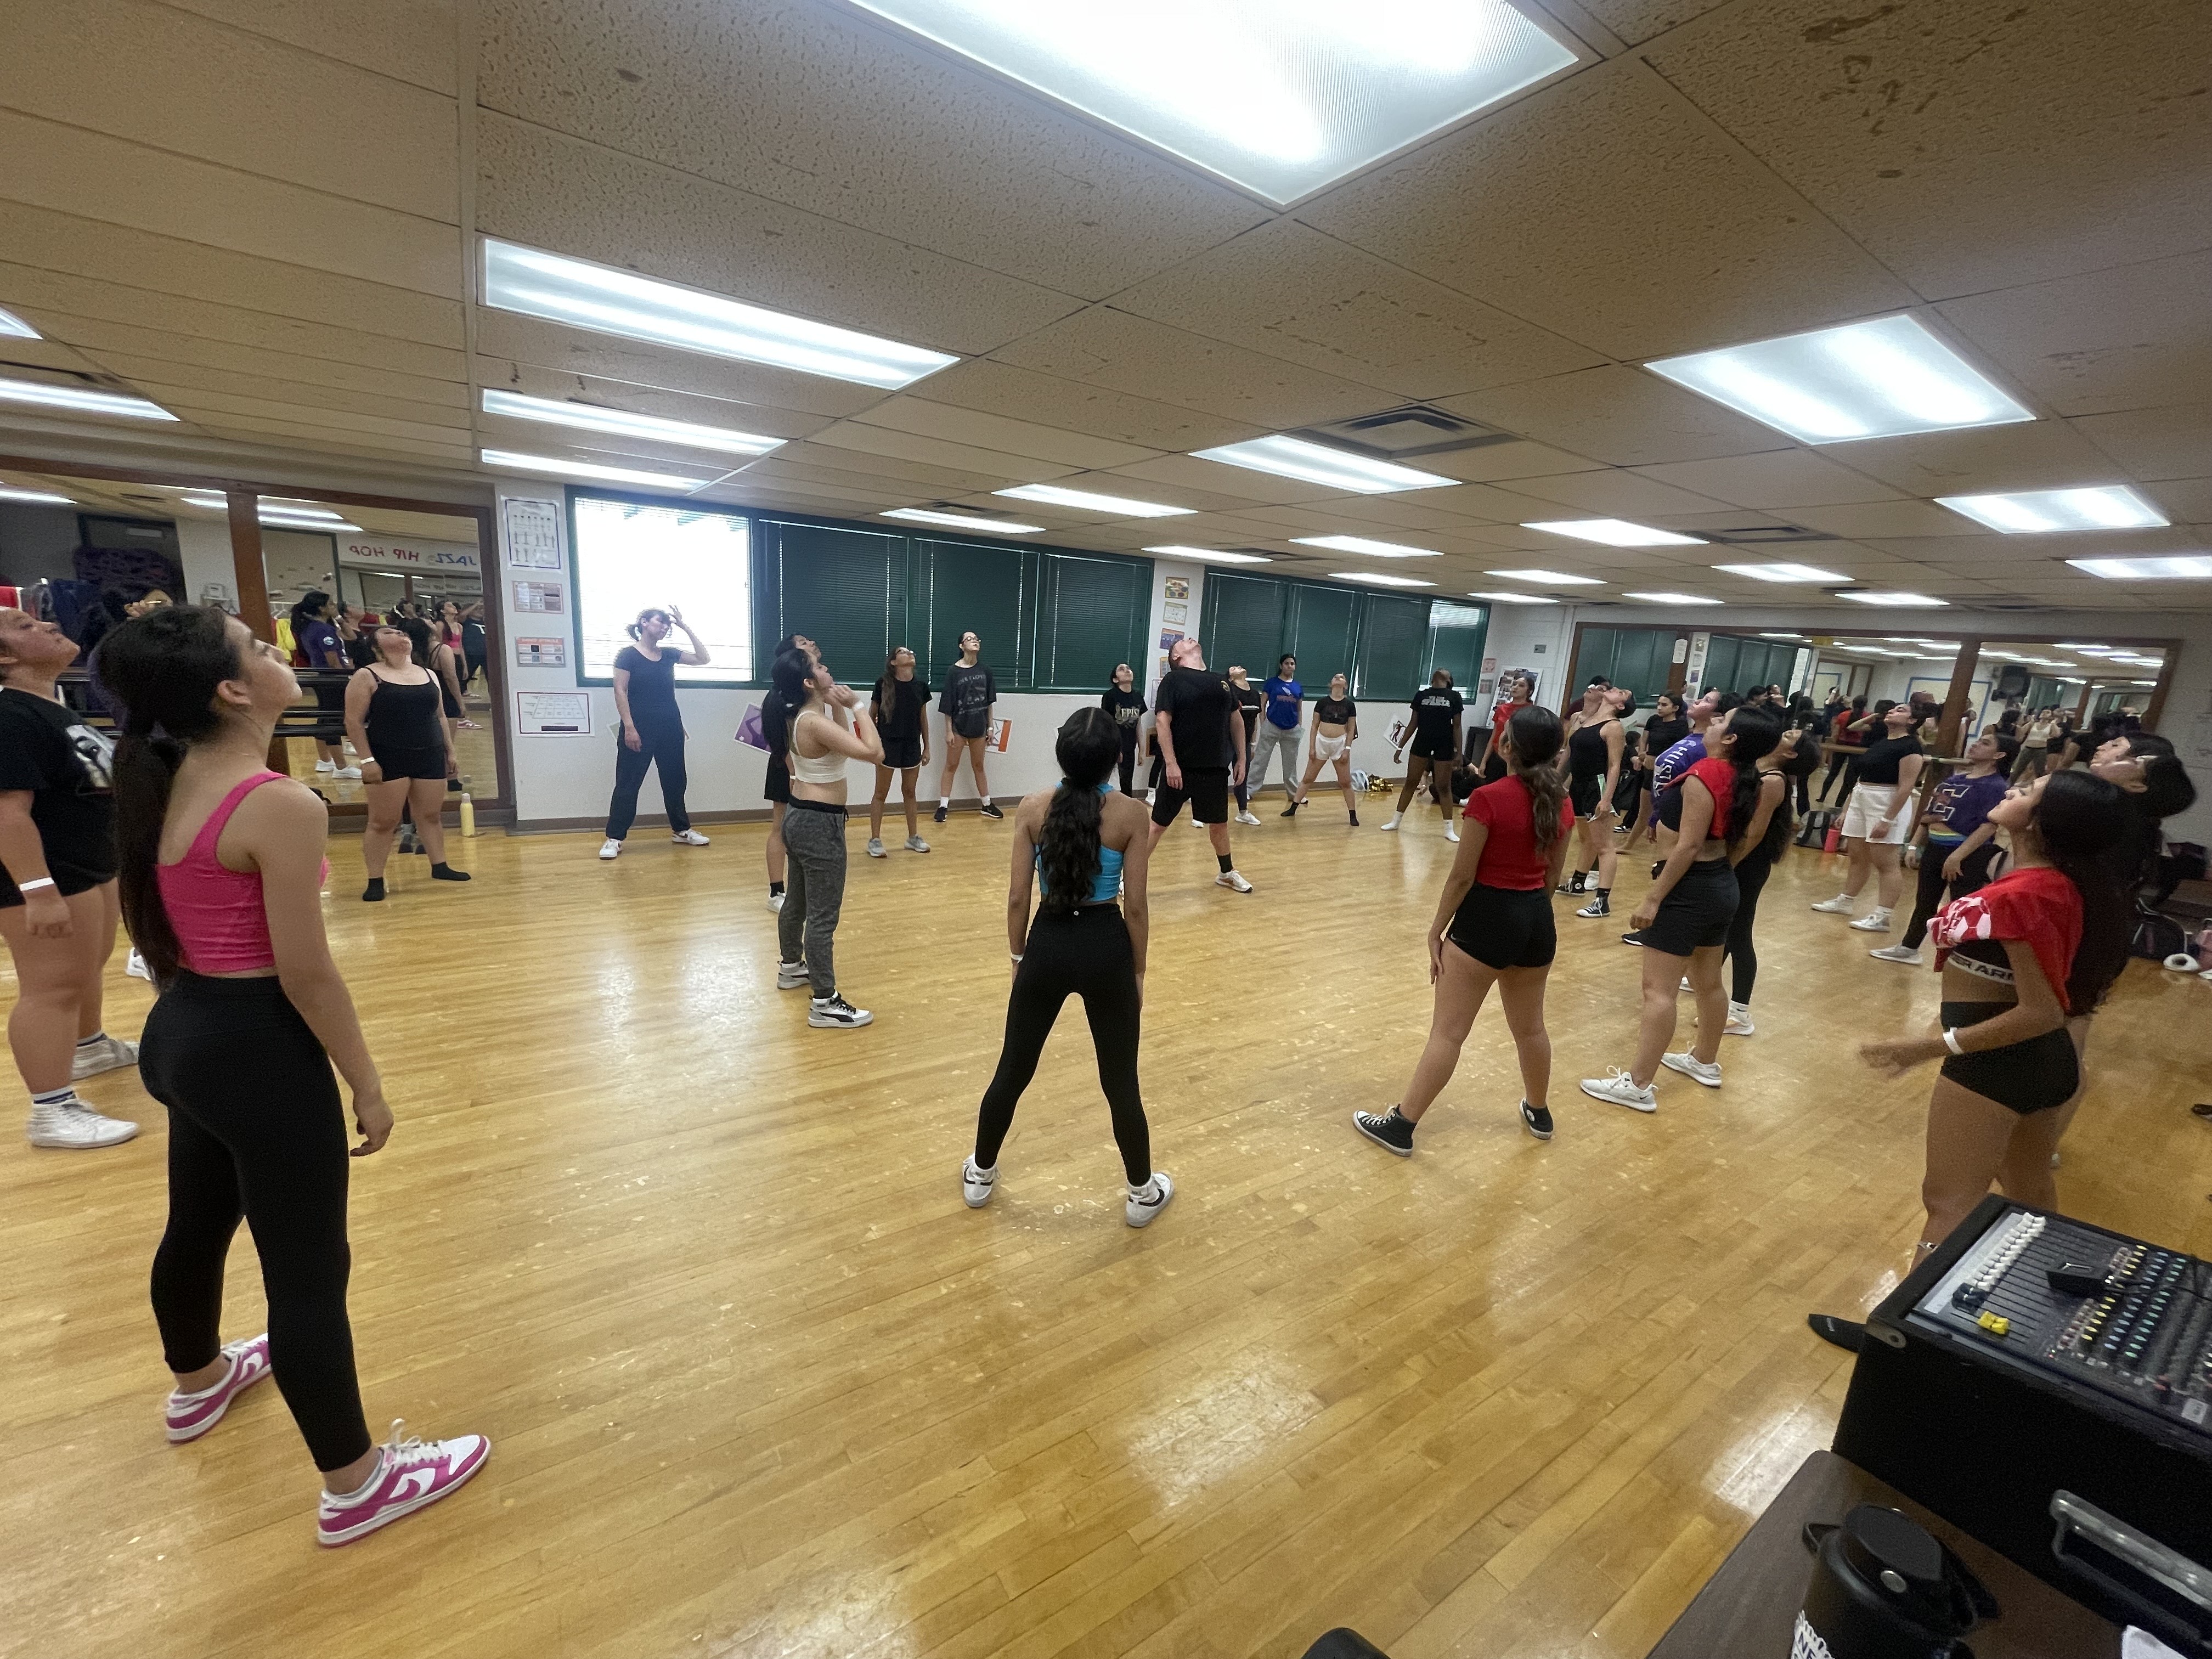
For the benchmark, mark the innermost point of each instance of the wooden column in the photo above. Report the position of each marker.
(246, 564)
(1955, 700)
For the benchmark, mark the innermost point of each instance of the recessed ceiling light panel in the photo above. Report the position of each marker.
(1209, 556)
(1899, 601)
(1336, 468)
(1546, 578)
(1372, 550)
(1083, 501)
(1278, 97)
(961, 521)
(1514, 598)
(590, 417)
(508, 459)
(1783, 572)
(1871, 380)
(610, 302)
(2107, 506)
(16, 328)
(2187, 567)
(1615, 533)
(81, 399)
(1671, 598)
(1378, 579)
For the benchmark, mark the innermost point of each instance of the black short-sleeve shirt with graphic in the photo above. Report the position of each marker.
(1197, 702)
(47, 750)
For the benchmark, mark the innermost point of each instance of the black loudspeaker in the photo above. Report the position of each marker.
(1342, 1643)
(2011, 680)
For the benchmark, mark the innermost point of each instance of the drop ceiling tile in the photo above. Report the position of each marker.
(1678, 241)
(506, 340)
(2185, 500)
(1222, 484)
(246, 102)
(67, 169)
(928, 419)
(117, 343)
(411, 40)
(1621, 415)
(1068, 405)
(49, 353)
(2033, 455)
(1616, 493)
(290, 432)
(1874, 520)
(194, 402)
(1287, 291)
(533, 438)
(814, 107)
(1780, 478)
(1970, 145)
(1638, 21)
(443, 402)
(1502, 462)
(2154, 443)
(869, 474)
(998, 469)
(771, 421)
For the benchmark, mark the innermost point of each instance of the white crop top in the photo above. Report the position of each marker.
(820, 769)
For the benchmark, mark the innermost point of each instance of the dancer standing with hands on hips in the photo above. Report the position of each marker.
(652, 725)
(970, 692)
(1127, 705)
(1434, 734)
(816, 708)
(395, 716)
(1201, 745)
(1335, 729)
(901, 706)
(1278, 734)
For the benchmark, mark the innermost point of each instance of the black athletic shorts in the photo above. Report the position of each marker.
(1697, 912)
(1434, 749)
(900, 753)
(2038, 1075)
(777, 786)
(399, 763)
(1501, 928)
(1583, 793)
(1206, 789)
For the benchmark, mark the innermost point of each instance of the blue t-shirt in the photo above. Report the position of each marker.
(1285, 699)
(1960, 804)
(1677, 759)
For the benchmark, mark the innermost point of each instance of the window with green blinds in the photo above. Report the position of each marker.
(1456, 633)
(1322, 633)
(964, 586)
(1392, 636)
(843, 589)
(1092, 614)
(1244, 621)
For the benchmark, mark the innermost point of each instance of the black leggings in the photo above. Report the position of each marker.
(1086, 953)
(1927, 896)
(658, 745)
(1128, 762)
(265, 1141)
(1743, 956)
(1837, 763)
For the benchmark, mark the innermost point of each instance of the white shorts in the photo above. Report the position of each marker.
(1868, 802)
(1329, 749)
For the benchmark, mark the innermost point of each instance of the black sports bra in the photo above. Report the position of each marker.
(1984, 958)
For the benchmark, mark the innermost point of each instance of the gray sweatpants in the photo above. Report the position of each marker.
(807, 925)
(1273, 737)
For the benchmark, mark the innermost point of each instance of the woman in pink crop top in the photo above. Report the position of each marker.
(221, 871)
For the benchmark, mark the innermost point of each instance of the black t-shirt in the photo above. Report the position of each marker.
(1128, 708)
(1660, 736)
(1197, 701)
(651, 686)
(1248, 702)
(1435, 709)
(67, 767)
(967, 699)
(899, 704)
(1334, 711)
(1878, 763)
(775, 730)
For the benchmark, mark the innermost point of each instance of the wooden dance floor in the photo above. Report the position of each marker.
(759, 1385)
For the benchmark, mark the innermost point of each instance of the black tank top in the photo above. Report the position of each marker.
(405, 717)
(1586, 751)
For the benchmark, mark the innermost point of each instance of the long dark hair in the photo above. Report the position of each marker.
(1756, 730)
(163, 669)
(2080, 821)
(1089, 746)
(309, 608)
(884, 692)
(1536, 736)
(635, 630)
(791, 677)
(419, 639)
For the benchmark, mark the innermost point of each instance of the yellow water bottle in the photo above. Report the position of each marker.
(468, 812)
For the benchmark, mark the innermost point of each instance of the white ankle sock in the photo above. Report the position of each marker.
(64, 1096)
(1148, 1193)
(86, 1042)
(945, 800)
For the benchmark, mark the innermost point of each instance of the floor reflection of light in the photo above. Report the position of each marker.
(825, 1616)
(1208, 1433)
(1758, 1465)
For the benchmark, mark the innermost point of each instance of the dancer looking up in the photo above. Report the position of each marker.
(222, 875)
(1434, 734)
(901, 706)
(1673, 764)
(1879, 819)
(1685, 917)
(1493, 926)
(775, 784)
(58, 906)
(1594, 746)
(1089, 847)
(1335, 729)
(315, 633)
(1959, 835)
(1248, 704)
(1127, 705)
(1664, 728)
(1201, 746)
(970, 692)
(394, 714)
(1513, 696)
(652, 725)
(816, 710)
(1279, 730)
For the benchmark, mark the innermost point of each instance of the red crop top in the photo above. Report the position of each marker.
(1719, 778)
(221, 924)
(2038, 906)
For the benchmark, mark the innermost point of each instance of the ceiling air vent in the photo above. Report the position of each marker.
(1398, 434)
(1765, 535)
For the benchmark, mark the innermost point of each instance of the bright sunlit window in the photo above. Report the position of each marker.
(630, 558)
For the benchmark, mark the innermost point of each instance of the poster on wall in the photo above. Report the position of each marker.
(541, 653)
(553, 714)
(996, 736)
(1168, 638)
(533, 533)
(1507, 676)
(543, 598)
(1175, 587)
(1178, 613)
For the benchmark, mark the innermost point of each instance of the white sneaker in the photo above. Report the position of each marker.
(876, 848)
(976, 1185)
(108, 1055)
(1738, 1021)
(690, 838)
(135, 965)
(352, 772)
(775, 901)
(1621, 1089)
(1197, 823)
(1691, 1067)
(326, 766)
(1152, 798)
(1451, 832)
(1904, 953)
(76, 1127)
(611, 848)
(790, 976)
(1874, 921)
(1393, 823)
(1841, 905)
(1233, 882)
(917, 844)
(833, 1012)
(1248, 817)
(1146, 1201)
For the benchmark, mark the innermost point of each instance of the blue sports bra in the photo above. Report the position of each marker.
(1106, 885)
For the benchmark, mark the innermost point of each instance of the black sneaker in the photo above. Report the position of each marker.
(1291, 811)
(1570, 889)
(1537, 1120)
(1636, 938)
(1598, 905)
(1846, 1333)
(938, 816)
(1355, 819)
(1657, 865)
(1388, 1130)
(990, 811)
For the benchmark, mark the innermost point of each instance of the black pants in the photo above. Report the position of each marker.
(256, 1131)
(1086, 953)
(1837, 763)
(658, 745)
(1743, 956)
(1927, 896)
(1129, 761)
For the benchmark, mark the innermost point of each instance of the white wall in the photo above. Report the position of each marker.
(203, 546)
(1539, 637)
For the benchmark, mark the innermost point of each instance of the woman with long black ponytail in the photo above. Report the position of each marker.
(222, 873)
(1088, 845)
(1765, 839)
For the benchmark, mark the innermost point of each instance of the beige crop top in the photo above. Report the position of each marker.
(824, 769)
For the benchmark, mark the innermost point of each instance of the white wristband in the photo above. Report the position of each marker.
(1010, 953)
(1951, 1041)
(35, 883)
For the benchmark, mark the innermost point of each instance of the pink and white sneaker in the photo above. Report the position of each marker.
(411, 1474)
(191, 1415)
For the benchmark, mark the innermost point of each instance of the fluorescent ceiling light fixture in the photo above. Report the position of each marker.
(41, 498)
(1372, 550)
(1278, 97)
(592, 470)
(961, 521)
(2142, 682)
(1671, 598)
(1900, 601)
(1209, 556)
(2187, 567)
(1338, 469)
(285, 521)
(1514, 598)
(1782, 637)
(1615, 533)
(2065, 645)
(1871, 380)
(687, 434)
(610, 302)
(284, 509)
(2107, 506)
(81, 399)
(1378, 579)
(1083, 501)
(16, 328)
(1547, 578)
(1782, 573)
